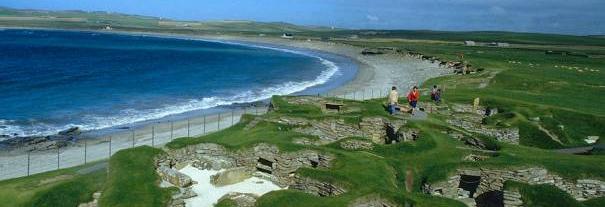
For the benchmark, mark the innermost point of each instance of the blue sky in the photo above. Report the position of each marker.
(549, 16)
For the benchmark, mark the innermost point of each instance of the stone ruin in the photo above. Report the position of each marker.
(379, 130)
(458, 67)
(485, 187)
(383, 131)
(330, 130)
(263, 160)
(241, 199)
(470, 120)
(353, 144)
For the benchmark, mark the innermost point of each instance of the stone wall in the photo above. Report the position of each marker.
(381, 130)
(373, 128)
(472, 123)
(493, 180)
(316, 187)
(512, 198)
(277, 166)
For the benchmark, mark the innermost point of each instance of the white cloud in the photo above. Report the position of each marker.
(372, 17)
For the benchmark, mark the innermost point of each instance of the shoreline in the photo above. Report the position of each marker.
(373, 72)
(334, 73)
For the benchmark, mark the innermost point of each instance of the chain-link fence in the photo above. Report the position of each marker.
(157, 134)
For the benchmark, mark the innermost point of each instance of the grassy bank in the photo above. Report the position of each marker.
(67, 187)
(132, 180)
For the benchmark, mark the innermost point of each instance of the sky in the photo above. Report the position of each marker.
(579, 17)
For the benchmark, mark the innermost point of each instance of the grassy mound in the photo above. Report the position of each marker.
(133, 181)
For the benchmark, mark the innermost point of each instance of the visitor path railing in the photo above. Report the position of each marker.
(13, 165)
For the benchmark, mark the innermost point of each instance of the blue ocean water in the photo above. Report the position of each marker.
(53, 80)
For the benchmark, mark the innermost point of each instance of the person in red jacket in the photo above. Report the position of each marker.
(413, 97)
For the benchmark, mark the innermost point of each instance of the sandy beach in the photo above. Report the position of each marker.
(375, 76)
(378, 72)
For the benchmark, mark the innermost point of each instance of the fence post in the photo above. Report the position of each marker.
(218, 123)
(204, 126)
(231, 117)
(85, 148)
(372, 92)
(171, 129)
(363, 94)
(133, 138)
(109, 146)
(152, 135)
(58, 157)
(188, 125)
(255, 110)
(28, 162)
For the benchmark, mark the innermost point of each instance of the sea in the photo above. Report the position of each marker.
(52, 80)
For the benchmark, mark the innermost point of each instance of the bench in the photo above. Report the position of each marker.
(334, 106)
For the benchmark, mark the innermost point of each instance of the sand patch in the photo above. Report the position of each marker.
(208, 194)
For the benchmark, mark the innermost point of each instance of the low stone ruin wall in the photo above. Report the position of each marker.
(263, 160)
(316, 187)
(471, 120)
(493, 180)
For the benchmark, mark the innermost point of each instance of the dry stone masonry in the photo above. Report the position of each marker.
(470, 120)
(381, 130)
(330, 130)
(470, 184)
(512, 198)
(241, 199)
(316, 187)
(356, 145)
(263, 160)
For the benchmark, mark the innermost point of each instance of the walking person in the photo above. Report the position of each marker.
(413, 97)
(393, 100)
(438, 96)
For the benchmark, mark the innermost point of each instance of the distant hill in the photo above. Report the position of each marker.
(478, 36)
(98, 20)
(74, 19)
